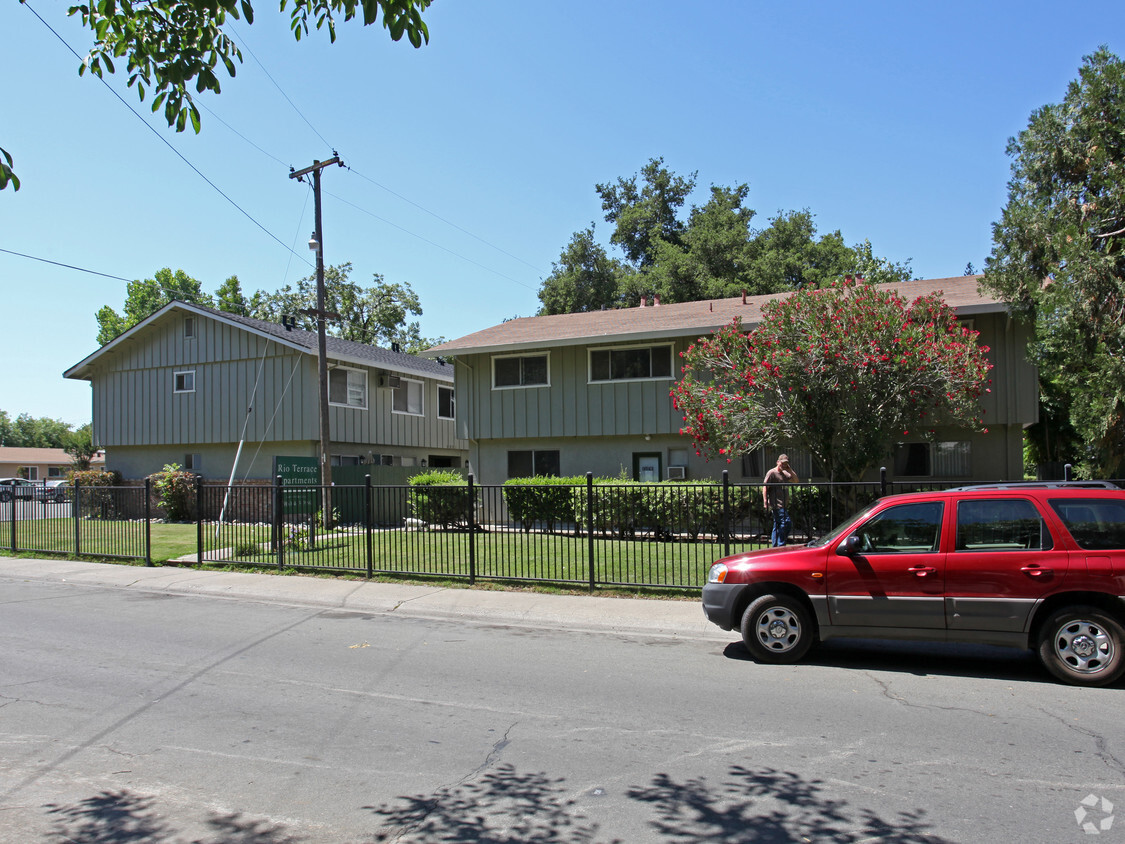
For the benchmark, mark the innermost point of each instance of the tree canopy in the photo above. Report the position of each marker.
(842, 372)
(376, 315)
(713, 253)
(171, 46)
(1059, 254)
(27, 431)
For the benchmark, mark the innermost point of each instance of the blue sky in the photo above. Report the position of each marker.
(473, 159)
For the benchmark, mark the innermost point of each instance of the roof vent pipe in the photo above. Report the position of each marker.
(744, 297)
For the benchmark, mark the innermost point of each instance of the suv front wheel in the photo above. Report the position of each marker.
(777, 629)
(1083, 646)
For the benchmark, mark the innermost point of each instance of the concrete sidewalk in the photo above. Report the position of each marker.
(526, 609)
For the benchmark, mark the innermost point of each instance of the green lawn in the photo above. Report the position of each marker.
(501, 555)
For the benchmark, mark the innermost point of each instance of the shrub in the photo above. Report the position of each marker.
(175, 492)
(549, 501)
(94, 492)
(440, 498)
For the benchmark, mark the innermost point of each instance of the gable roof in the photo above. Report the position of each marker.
(345, 351)
(656, 322)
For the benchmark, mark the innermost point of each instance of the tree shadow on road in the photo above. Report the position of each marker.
(123, 816)
(502, 807)
(768, 807)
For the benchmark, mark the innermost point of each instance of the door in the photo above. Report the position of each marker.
(646, 467)
(1004, 559)
(897, 577)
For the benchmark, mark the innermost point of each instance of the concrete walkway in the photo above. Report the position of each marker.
(527, 609)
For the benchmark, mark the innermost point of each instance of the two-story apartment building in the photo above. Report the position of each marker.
(198, 387)
(571, 393)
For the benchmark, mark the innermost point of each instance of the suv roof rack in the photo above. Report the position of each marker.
(1040, 485)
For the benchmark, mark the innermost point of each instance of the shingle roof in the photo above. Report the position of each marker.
(347, 351)
(678, 320)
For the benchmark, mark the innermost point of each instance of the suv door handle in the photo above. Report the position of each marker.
(922, 571)
(1036, 571)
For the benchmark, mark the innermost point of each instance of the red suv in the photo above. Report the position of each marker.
(1038, 566)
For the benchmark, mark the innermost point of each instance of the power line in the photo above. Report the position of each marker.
(67, 266)
(163, 140)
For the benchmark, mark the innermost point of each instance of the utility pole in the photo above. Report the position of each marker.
(317, 244)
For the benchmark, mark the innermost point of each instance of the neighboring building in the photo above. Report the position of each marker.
(39, 464)
(179, 386)
(571, 393)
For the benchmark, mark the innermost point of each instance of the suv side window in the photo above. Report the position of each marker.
(1097, 524)
(905, 529)
(1008, 524)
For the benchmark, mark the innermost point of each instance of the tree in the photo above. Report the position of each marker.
(646, 215)
(585, 278)
(170, 46)
(1058, 252)
(229, 298)
(26, 431)
(841, 371)
(374, 315)
(143, 298)
(80, 446)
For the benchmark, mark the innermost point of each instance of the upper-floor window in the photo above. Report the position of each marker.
(407, 397)
(445, 403)
(184, 382)
(347, 387)
(189, 327)
(631, 363)
(521, 371)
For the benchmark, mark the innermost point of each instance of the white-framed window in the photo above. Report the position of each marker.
(631, 363)
(189, 328)
(934, 460)
(31, 473)
(513, 371)
(56, 472)
(407, 397)
(446, 406)
(347, 387)
(193, 463)
(184, 381)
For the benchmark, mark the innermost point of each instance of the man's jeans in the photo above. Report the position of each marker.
(781, 527)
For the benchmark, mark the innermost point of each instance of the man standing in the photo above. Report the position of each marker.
(775, 497)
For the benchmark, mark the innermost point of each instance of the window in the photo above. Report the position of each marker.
(1011, 524)
(193, 462)
(522, 371)
(347, 387)
(445, 403)
(407, 397)
(189, 328)
(631, 363)
(905, 529)
(30, 472)
(1097, 524)
(933, 460)
(527, 464)
(185, 381)
(345, 460)
(55, 472)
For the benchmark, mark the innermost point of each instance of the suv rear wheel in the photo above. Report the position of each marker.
(777, 629)
(1083, 646)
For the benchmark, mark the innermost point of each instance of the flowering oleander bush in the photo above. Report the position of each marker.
(842, 371)
(175, 492)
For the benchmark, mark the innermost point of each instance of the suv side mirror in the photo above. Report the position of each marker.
(850, 546)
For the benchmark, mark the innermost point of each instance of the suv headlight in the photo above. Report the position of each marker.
(717, 574)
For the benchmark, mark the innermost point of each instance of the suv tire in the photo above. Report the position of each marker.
(1083, 646)
(777, 629)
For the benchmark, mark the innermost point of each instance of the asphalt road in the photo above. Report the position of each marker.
(135, 716)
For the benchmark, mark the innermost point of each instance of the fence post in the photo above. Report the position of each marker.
(472, 531)
(1067, 469)
(279, 521)
(75, 507)
(199, 520)
(727, 527)
(882, 480)
(15, 503)
(590, 525)
(148, 521)
(368, 520)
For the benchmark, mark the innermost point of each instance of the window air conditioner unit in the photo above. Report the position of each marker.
(391, 381)
(677, 473)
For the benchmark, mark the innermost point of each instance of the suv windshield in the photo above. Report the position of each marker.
(839, 530)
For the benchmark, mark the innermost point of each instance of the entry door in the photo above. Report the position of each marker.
(646, 467)
(897, 579)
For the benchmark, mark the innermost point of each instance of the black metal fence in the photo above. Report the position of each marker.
(592, 535)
